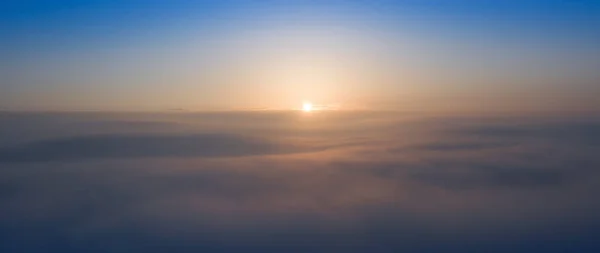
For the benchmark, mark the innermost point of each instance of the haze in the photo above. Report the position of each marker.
(299, 126)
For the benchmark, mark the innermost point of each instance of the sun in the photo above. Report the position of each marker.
(307, 106)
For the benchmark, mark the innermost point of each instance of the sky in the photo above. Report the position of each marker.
(299, 126)
(239, 55)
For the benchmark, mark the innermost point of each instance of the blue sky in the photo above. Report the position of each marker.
(100, 49)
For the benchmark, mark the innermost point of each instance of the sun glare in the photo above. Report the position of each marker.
(307, 107)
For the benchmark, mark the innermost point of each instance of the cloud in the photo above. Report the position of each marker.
(584, 133)
(497, 176)
(145, 145)
(464, 145)
(455, 188)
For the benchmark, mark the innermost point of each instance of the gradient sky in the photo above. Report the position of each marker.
(198, 55)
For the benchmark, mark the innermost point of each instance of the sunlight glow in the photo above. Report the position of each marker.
(307, 107)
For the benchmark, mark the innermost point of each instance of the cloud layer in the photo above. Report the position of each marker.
(285, 182)
(148, 145)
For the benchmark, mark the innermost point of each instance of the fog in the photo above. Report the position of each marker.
(298, 182)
